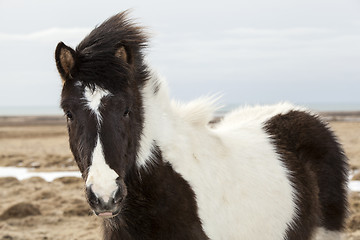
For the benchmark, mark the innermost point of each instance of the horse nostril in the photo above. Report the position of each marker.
(118, 195)
(91, 195)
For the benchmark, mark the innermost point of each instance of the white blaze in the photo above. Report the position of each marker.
(100, 177)
(93, 98)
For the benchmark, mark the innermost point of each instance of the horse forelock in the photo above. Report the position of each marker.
(97, 60)
(117, 30)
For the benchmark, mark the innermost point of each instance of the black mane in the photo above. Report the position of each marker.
(96, 61)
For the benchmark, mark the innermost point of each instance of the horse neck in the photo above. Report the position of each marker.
(175, 128)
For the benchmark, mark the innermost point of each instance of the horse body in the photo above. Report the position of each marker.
(232, 168)
(157, 169)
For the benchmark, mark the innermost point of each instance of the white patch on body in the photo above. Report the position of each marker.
(242, 187)
(100, 177)
(152, 112)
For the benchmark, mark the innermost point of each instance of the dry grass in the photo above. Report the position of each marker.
(35, 209)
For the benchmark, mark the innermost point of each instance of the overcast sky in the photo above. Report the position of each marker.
(254, 51)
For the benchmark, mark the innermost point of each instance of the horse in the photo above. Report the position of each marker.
(154, 168)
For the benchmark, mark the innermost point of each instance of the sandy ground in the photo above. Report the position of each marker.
(35, 209)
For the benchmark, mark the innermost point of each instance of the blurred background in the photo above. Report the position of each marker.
(252, 52)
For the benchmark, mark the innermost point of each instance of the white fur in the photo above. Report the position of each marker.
(255, 116)
(100, 177)
(154, 109)
(93, 98)
(197, 112)
(241, 186)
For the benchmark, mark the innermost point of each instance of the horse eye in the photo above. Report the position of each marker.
(69, 115)
(127, 111)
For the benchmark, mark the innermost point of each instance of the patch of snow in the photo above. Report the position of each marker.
(23, 173)
(354, 186)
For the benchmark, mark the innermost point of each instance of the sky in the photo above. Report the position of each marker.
(252, 52)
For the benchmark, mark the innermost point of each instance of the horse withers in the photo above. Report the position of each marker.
(156, 169)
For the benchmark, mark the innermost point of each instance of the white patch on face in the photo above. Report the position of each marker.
(101, 177)
(93, 99)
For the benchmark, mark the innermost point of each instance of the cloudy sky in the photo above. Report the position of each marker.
(254, 51)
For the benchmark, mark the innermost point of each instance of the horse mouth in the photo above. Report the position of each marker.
(107, 214)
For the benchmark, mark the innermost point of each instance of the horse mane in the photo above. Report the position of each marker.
(97, 52)
(198, 112)
(115, 31)
(97, 61)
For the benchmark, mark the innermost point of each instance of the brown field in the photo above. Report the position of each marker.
(35, 209)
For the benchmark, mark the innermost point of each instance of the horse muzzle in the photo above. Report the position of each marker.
(109, 206)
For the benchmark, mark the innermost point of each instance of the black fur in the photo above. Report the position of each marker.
(160, 205)
(318, 170)
(156, 87)
(81, 128)
(98, 64)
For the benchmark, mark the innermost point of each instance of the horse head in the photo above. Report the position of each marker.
(101, 99)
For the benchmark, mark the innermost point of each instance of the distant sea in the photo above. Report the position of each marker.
(30, 110)
(55, 110)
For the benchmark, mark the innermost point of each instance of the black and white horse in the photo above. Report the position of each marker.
(156, 169)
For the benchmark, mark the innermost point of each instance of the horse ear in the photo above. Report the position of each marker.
(65, 60)
(122, 54)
